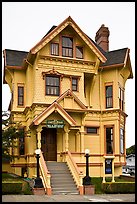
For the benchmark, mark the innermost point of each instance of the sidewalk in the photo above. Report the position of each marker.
(70, 198)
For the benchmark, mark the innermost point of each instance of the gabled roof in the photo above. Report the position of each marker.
(70, 93)
(48, 111)
(56, 30)
(111, 58)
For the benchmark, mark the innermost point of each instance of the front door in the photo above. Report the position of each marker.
(49, 144)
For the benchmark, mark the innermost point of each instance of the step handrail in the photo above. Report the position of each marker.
(76, 173)
(45, 174)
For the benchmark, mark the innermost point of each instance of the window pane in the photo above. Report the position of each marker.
(20, 95)
(92, 130)
(109, 140)
(54, 49)
(109, 97)
(79, 52)
(67, 47)
(74, 88)
(108, 91)
(121, 141)
(74, 84)
(52, 85)
(67, 42)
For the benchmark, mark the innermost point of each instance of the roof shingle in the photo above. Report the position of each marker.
(15, 57)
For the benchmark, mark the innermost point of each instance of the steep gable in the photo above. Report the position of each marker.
(70, 101)
(56, 30)
(47, 112)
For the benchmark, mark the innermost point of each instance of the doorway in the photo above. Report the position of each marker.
(49, 144)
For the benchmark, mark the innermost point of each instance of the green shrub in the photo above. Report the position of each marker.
(11, 187)
(97, 182)
(118, 187)
(26, 190)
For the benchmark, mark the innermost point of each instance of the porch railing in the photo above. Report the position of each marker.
(45, 175)
(76, 173)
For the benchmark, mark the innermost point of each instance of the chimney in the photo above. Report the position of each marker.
(102, 36)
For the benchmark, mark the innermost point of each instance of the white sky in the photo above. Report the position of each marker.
(25, 23)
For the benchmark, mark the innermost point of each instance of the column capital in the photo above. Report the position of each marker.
(39, 129)
(66, 129)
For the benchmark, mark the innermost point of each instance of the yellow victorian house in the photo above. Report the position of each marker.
(68, 94)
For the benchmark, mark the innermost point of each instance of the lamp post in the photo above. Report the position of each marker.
(38, 181)
(87, 178)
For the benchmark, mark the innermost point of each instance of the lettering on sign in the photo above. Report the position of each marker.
(108, 166)
(55, 123)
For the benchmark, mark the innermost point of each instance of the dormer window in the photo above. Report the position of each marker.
(67, 46)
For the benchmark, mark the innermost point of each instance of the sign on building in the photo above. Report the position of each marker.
(108, 166)
(55, 123)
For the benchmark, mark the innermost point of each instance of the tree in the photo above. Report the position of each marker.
(10, 132)
(130, 150)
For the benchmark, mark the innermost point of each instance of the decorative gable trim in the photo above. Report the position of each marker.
(58, 29)
(71, 94)
(53, 107)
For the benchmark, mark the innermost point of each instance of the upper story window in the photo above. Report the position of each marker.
(52, 85)
(121, 140)
(22, 143)
(55, 49)
(109, 97)
(121, 98)
(109, 140)
(20, 95)
(67, 46)
(79, 52)
(74, 84)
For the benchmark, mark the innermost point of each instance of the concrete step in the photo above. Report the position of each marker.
(61, 179)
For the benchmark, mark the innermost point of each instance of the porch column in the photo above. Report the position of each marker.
(77, 141)
(39, 129)
(82, 139)
(66, 134)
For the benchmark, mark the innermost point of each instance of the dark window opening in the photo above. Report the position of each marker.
(54, 49)
(22, 143)
(109, 97)
(121, 99)
(121, 141)
(109, 140)
(20, 95)
(74, 84)
(79, 52)
(52, 85)
(67, 47)
(92, 130)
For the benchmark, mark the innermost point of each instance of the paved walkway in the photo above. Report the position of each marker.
(70, 198)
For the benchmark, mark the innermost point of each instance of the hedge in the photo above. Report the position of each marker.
(118, 187)
(11, 187)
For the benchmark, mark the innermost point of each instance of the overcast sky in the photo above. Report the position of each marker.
(25, 23)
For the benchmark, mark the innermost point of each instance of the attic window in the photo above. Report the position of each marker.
(55, 49)
(67, 47)
(79, 52)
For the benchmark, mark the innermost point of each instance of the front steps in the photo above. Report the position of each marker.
(61, 179)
